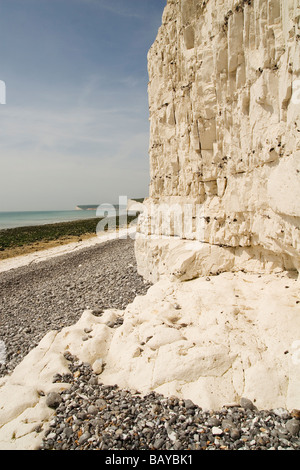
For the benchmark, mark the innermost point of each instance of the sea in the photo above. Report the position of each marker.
(27, 219)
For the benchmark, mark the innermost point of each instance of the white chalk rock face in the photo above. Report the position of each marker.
(224, 98)
(219, 234)
(213, 340)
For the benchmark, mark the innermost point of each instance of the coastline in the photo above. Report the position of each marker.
(31, 238)
(50, 290)
(62, 247)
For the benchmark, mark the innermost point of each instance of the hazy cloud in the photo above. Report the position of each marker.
(75, 127)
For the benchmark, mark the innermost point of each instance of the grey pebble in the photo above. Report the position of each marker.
(68, 432)
(247, 404)
(189, 404)
(53, 294)
(53, 400)
(100, 403)
(158, 444)
(103, 417)
(84, 437)
(235, 434)
(227, 424)
(293, 426)
(92, 410)
(213, 422)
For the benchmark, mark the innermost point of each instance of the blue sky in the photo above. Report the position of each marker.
(74, 129)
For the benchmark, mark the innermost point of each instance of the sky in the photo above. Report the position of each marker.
(74, 128)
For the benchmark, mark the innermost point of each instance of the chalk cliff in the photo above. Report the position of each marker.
(223, 215)
(225, 139)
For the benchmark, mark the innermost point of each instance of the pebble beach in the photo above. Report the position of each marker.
(53, 293)
(93, 416)
(89, 415)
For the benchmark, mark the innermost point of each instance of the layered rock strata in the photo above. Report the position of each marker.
(225, 168)
(225, 139)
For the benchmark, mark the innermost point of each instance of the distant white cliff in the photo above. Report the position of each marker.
(219, 234)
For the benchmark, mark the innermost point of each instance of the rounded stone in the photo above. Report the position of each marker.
(158, 444)
(247, 404)
(84, 437)
(53, 400)
(235, 434)
(189, 404)
(293, 426)
(92, 410)
(217, 431)
(67, 432)
(213, 421)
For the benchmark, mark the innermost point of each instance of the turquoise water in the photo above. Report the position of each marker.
(26, 219)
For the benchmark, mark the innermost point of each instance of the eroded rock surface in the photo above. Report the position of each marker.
(221, 322)
(225, 134)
